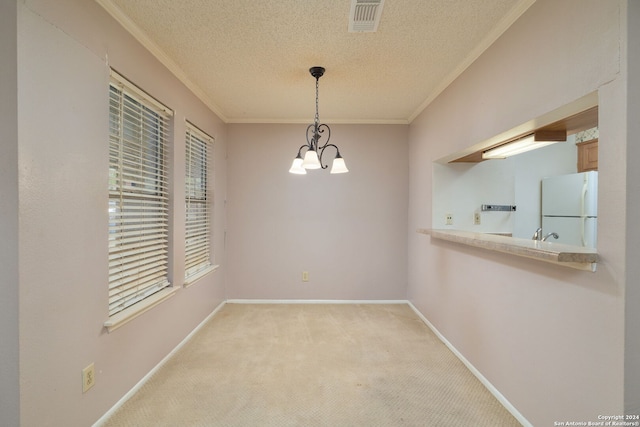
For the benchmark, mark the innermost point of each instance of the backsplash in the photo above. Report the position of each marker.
(587, 135)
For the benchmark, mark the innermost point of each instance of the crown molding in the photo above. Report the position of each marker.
(502, 26)
(142, 37)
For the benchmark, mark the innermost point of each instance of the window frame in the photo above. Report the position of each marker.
(199, 251)
(139, 205)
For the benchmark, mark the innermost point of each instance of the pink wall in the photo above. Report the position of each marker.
(65, 49)
(9, 220)
(549, 338)
(348, 230)
(632, 294)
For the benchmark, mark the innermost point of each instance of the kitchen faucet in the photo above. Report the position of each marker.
(538, 234)
(552, 234)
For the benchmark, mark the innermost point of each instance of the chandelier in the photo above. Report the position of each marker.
(314, 151)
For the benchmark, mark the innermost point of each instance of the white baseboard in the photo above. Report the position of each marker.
(146, 378)
(313, 301)
(494, 391)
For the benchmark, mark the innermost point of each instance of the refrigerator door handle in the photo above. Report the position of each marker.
(583, 197)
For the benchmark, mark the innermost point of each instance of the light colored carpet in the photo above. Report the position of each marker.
(313, 365)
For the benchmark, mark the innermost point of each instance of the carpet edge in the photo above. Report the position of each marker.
(485, 382)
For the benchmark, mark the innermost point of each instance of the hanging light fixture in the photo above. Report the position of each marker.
(314, 151)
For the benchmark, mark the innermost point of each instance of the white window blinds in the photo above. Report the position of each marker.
(138, 195)
(198, 202)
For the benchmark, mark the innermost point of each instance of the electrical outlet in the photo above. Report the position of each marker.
(477, 218)
(88, 378)
(305, 276)
(449, 219)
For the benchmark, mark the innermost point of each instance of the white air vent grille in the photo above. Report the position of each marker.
(365, 15)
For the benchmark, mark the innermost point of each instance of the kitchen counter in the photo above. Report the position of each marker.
(564, 255)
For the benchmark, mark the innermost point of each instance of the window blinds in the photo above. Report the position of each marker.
(138, 195)
(197, 201)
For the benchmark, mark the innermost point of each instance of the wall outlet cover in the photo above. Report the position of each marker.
(477, 218)
(88, 378)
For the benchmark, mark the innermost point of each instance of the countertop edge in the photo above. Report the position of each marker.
(565, 255)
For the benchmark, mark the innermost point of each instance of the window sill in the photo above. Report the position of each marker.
(191, 280)
(139, 308)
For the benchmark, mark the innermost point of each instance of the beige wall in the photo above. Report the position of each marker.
(347, 230)
(549, 338)
(65, 49)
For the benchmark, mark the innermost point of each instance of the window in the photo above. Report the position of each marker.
(198, 204)
(138, 195)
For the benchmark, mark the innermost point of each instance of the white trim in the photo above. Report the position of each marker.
(199, 132)
(103, 419)
(512, 16)
(196, 276)
(142, 37)
(492, 389)
(329, 121)
(313, 301)
(126, 85)
(128, 314)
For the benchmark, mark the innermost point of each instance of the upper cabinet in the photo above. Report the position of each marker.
(587, 155)
(587, 147)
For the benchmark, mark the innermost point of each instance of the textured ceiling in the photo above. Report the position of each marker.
(248, 60)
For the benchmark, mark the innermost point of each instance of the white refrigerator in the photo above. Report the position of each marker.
(570, 208)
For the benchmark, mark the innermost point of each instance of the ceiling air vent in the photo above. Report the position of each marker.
(365, 15)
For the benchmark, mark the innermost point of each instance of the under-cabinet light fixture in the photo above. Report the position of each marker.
(526, 143)
(313, 156)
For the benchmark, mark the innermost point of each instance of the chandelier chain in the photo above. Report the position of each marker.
(317, 118)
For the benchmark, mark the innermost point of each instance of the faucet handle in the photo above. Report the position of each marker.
(538, 234)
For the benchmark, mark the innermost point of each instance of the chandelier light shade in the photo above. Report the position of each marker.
(312, 150)
(296, 167)
(338, 165)
(311, 160)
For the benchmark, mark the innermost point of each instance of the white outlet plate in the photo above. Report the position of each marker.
(305, 276)
(477, 218)
(448, 219)
(88, 378)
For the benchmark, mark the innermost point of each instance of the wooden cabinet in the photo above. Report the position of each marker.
(588, 155)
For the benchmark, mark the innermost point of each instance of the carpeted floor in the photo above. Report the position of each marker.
(313, 365)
